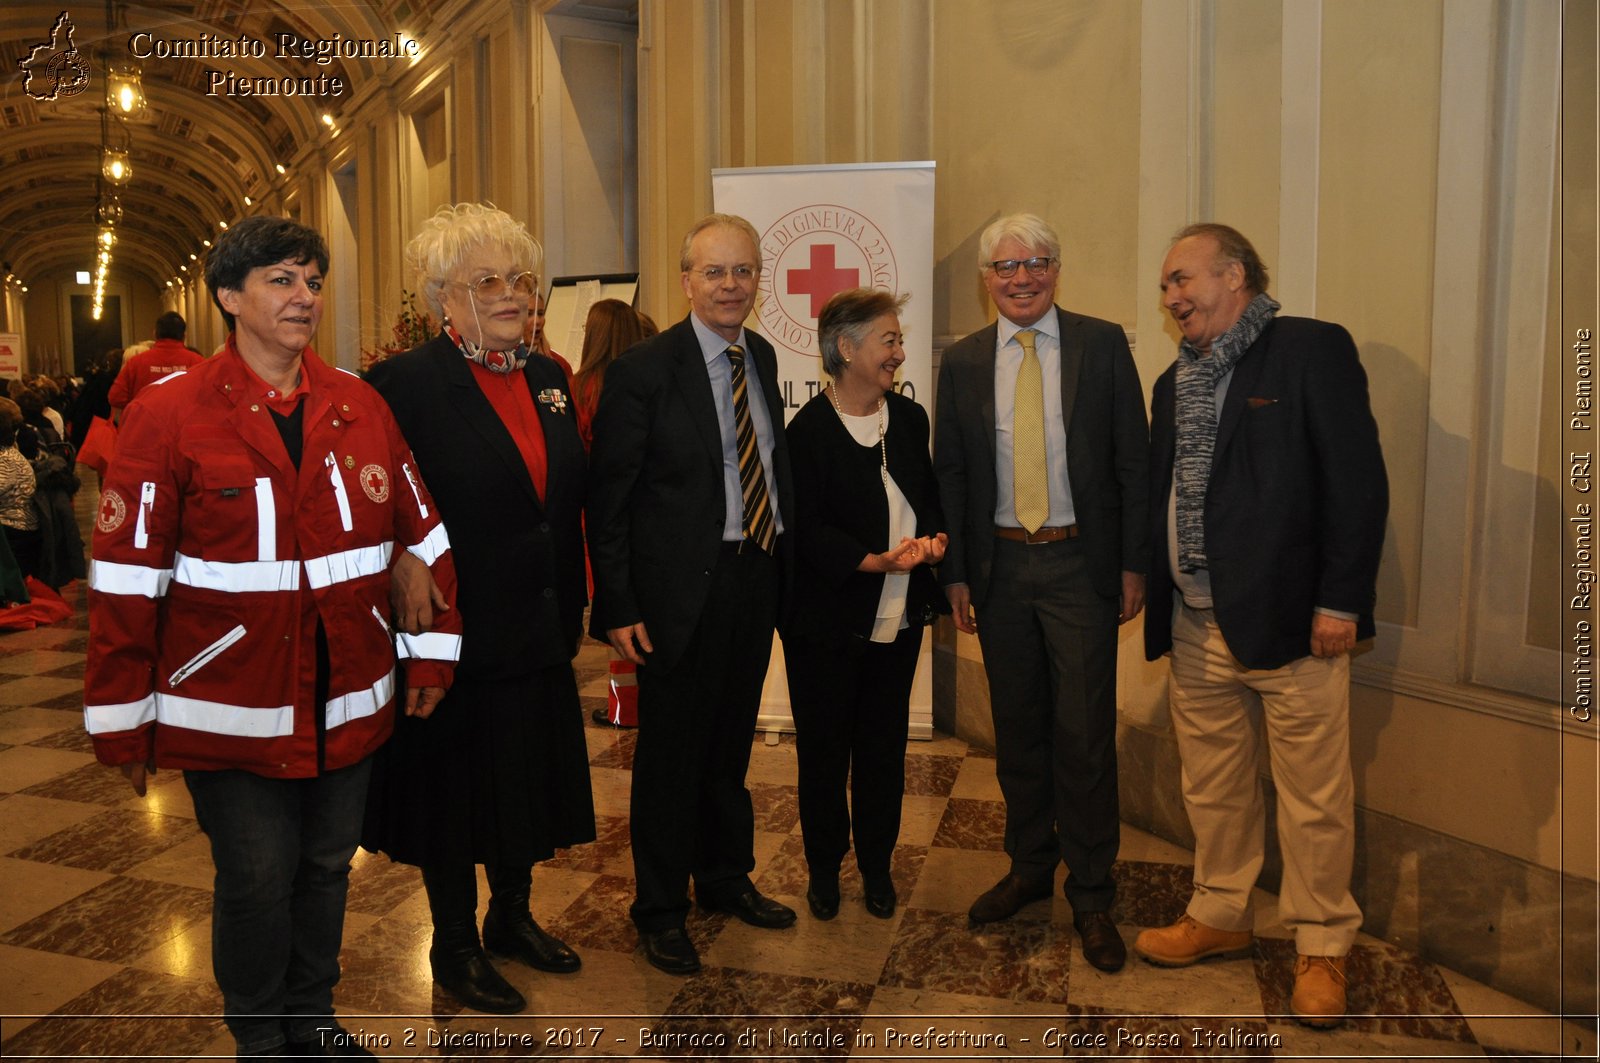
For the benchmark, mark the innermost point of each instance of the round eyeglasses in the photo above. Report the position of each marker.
(1037, 266)
(495, 286)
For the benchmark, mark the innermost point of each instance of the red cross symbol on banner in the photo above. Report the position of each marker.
(823, 280)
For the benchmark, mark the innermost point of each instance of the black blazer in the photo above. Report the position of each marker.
(843, 515)
(519, 561)
(1298, 497)
(656, 504)
(1107, 452)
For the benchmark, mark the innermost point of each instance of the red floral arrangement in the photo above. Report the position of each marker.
(411, 329)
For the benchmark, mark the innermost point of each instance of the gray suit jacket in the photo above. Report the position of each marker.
(1107, 452)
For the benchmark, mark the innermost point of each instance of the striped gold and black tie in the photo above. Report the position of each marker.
(758, 523)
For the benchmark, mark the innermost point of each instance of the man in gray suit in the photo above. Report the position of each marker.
(1041, 451)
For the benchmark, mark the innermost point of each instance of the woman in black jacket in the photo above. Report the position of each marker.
(867, 527)
(499, 774)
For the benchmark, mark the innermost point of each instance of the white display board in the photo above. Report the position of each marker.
(567, 308)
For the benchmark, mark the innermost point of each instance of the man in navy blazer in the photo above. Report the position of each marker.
(689, 579)
(1050, 556)
(1268, 503)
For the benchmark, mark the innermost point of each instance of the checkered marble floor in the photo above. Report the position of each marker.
(105, 933)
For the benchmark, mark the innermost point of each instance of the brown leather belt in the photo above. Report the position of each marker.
(1043, 535)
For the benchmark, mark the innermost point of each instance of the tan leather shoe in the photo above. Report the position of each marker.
(1189, 940)
(1319, 984)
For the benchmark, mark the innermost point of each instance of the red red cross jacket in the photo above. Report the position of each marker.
(214, 558)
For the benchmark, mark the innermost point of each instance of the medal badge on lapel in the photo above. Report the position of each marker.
(554, 398)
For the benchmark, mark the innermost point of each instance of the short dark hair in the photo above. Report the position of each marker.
(10, 421)
(170, 326)
(847, 316)
(256, 242)
(1232, 246)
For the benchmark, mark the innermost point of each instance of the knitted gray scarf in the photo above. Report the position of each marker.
(1196, 395)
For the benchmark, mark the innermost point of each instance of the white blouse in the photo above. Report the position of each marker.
(902, 525)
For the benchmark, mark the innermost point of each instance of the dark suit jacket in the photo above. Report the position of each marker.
(519, 561)
(843, 515)
(656, 505)
(1298, 496)
(1107, 451)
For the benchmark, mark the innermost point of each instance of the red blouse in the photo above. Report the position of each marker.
(509, 395)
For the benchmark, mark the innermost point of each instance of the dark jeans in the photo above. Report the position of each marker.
(282, 851)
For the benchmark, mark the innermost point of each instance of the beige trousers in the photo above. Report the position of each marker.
(1218, 709)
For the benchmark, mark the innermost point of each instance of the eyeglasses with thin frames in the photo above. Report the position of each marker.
(715, 274)
(487, 289)
(1037, 266)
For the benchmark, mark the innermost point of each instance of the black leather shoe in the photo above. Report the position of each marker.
(670, 951)
(1006, 897)
(329, 1041)
(823, 896)
(1101, 942)
(515, 934)
(880, 898)
(753, 908)
(468, 976)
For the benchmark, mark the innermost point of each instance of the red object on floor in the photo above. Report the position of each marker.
(47, 607)
(622, 699)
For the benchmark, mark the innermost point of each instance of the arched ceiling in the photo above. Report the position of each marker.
(195, 157)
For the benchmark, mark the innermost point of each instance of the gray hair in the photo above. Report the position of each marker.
(848, 316)
(1232, 246)
(442, 244)
(1030, 230)
(732, 221)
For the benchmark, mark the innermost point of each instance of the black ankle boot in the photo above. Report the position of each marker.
(458, 961)
(509, 928)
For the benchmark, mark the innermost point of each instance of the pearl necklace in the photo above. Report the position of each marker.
(883, 449)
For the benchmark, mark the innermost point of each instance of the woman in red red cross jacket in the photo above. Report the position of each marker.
(239, 621)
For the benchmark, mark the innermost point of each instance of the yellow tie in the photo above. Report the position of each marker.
(1030, 484)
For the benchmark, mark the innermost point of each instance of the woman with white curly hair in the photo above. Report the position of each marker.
(499, 774)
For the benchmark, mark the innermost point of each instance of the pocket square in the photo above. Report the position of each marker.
(1256, 403)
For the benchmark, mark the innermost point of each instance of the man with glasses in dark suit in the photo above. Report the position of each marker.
(1040, 449)
(690, 488)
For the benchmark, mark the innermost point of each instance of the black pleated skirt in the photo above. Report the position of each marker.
(498, 774)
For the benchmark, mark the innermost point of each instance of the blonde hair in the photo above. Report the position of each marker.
(442, 244)
(730, 221)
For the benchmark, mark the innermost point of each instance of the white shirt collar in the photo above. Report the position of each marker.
(1049, 325)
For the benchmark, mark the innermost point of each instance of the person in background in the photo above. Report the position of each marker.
(534, 338)
(164, 356)
(499, 775)
(611, 328)
(93, 399)
(867, 526)
(237, 628)
(17, 516)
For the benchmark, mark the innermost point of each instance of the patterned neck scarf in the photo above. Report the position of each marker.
(494, 361)
(1196, 394)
